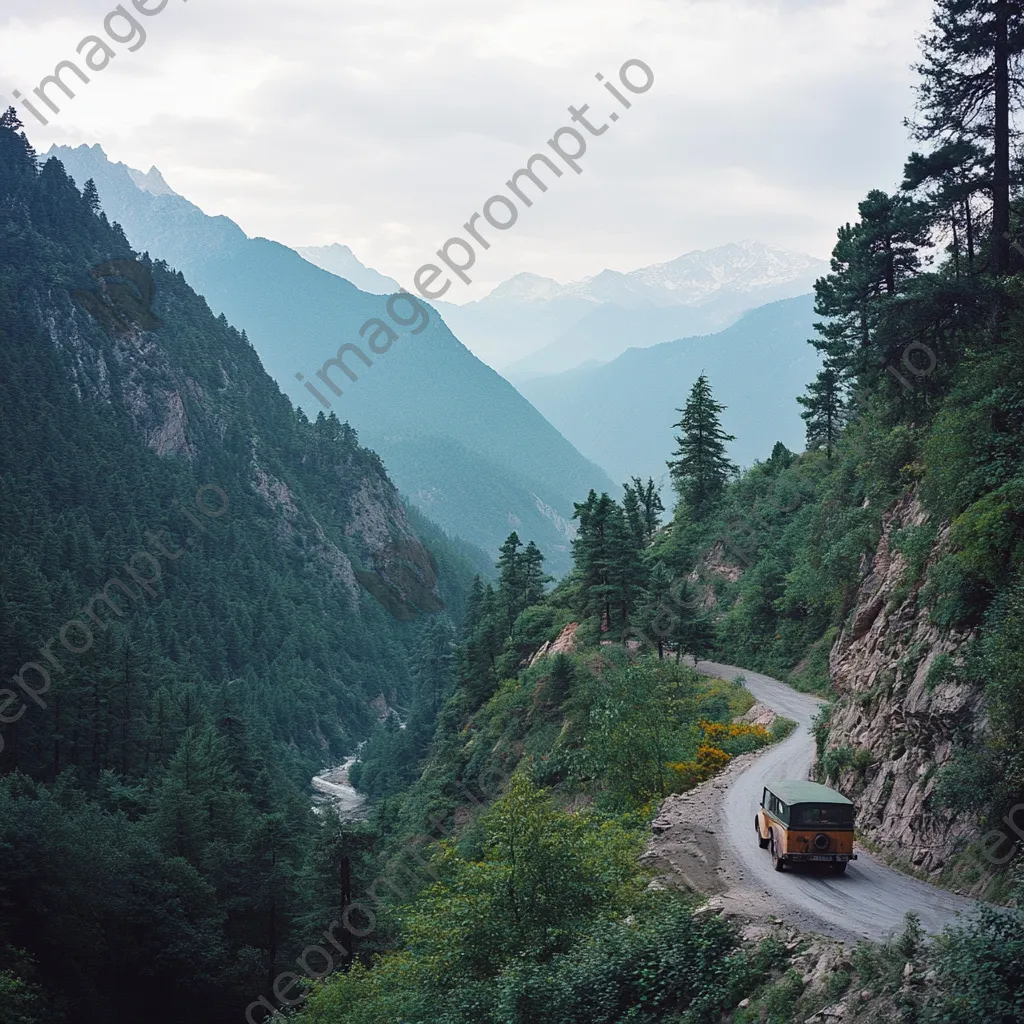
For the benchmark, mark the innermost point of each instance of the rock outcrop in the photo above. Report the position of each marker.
(897, 722)
(564, 643)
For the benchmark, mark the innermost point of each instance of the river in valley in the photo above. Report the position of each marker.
(333, 789)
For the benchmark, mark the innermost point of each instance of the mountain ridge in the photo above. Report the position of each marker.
(532, 325)
(341, 261)
(296, 314)
(750, 263)
(622, 412)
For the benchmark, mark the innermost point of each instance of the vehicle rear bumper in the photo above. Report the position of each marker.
(819, 858)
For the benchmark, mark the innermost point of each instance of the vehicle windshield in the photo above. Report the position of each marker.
(817, 815)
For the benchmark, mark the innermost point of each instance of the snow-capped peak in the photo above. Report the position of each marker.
(691, 279)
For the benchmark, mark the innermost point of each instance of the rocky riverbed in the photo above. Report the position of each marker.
(333, 789)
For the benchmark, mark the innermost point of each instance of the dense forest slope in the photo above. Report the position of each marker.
(203, 597)
(427, 405)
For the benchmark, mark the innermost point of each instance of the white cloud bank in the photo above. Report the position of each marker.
(384, 125)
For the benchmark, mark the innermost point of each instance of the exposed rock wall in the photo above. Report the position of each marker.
(900, 725)
(564, 643)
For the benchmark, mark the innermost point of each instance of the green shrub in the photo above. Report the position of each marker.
(837, 760)
(979, 968)
(820, 728)
(941, 670)
(781, 728)
(915, 543)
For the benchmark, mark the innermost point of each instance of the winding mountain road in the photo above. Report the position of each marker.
(869, 901)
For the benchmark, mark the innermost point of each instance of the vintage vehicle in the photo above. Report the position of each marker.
(805, 822)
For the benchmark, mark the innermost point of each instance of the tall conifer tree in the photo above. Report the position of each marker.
(824, 410)
(534, 577)
(701, 467)
(971, 83)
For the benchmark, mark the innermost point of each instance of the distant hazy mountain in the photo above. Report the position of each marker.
(152, 182)
(341, 261)
(447, 426)
(533, 325)
(621, 414)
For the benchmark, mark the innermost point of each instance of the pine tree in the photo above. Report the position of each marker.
(872, 263)
(633, 510)
(824, 410)
(534, 577)
(510, 576)
(949, 178)
(642, 505)
(694, 631)
(594, 555)
(650, 502)
(892, 231)
(781, 458)
(91, 196)
(659, 607)
(10, 120)
(971, 83)
(843, 298)
(701, 467)
(475, 657)
(627, 570)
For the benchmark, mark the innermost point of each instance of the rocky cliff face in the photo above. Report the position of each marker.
(181, 403)
(899, 720)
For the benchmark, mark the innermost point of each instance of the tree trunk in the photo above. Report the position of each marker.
(956, 248)
(969, 219)
(1001, 129)
(56, 736)
(346, 902)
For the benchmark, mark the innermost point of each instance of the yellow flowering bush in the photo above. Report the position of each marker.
(735, 737)
(719, 744)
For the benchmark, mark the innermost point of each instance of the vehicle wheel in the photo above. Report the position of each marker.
(761, 841)
(777, 862)
(839, 867)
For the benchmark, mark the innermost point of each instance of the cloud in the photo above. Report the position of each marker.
(385, 125)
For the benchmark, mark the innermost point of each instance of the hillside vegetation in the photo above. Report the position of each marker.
(921, 395)
(182, 635)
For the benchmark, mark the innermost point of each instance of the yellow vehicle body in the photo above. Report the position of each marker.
(805, 823)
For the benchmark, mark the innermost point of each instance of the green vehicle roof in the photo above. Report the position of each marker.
(792, 791)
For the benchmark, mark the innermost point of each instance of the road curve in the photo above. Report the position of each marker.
(870, 900)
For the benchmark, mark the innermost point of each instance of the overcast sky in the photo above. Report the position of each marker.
(385, 124)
